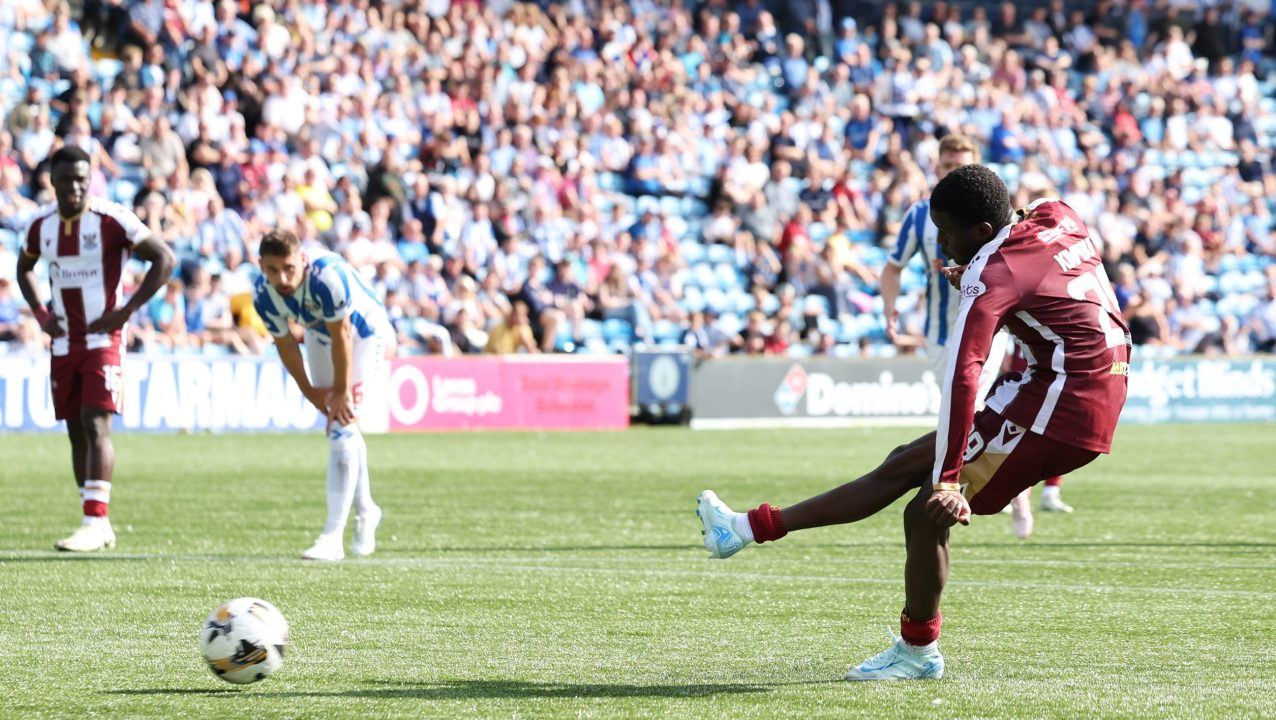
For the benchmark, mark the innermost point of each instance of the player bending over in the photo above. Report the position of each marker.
(1041, 279)
(87, 241)
(347, 338)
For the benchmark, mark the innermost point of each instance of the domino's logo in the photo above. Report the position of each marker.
(791, 389)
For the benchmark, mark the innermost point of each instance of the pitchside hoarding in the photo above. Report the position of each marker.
(256, 394)
(777, 392)
(743, 392)
(169, 393)
(514, 392)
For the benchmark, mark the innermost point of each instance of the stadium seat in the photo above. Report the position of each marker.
(716, 300)
(615, 329)
(742, 302)
(719, 253)
(692, 251)
(591, 329)
(728, 277)
(730, 324)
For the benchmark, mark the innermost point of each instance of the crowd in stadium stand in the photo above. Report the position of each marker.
(582, 176)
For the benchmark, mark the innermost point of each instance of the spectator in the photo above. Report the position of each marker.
(514, 334)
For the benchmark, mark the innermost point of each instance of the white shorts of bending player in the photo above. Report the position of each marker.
(369, 376)
(938, 357)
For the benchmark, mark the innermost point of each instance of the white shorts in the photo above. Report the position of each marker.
(369, 376)
(938, 357)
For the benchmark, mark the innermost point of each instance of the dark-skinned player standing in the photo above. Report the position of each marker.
(86, 242)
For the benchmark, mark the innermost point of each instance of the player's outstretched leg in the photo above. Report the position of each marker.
(1050, 498)
(915, 654)
(367, 515)
(94, 463)
(726, 532)
(343, 477)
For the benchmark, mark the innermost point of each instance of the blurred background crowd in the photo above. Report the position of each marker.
(581, 176)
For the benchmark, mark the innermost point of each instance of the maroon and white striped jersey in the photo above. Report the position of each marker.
(86, 257)
(1042, 278)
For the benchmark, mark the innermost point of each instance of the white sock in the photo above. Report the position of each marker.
(740, 523)
(343, 474)
(363, 489)
(923, 648)
(1050, 492)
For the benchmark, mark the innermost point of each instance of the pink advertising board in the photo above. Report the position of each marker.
(509, 393)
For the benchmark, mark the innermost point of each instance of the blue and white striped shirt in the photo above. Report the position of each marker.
(918, 233)
(330, 291)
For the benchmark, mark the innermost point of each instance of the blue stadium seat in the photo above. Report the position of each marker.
(667, 330)
(728, 277)
(107, 69)
(590, 329)
(730, 324)
(742, 302)
(617, 329)
(692, 299)
(718, 253)
(717, 300)
(123, 191)
(770, 304)
(815, 305)
(692, 251)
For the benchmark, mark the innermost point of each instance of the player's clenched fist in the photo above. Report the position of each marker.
(947, 508)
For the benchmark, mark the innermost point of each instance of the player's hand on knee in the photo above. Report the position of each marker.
(341, 408)
(947, 508)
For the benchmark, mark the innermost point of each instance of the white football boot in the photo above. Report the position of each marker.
(1021, 515)
(1051, 502)
(89, 537)
(720, 536)
(901, 661)
(327, 548)
(365, 532)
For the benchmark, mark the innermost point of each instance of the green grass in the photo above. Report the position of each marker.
(529, 575)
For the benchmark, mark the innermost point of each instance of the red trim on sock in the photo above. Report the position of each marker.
(1055, 481)
(766, 524)
(95, 508)
(919, 633)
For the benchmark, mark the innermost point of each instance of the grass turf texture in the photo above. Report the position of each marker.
(529, 575)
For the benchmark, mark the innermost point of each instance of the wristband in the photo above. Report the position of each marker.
(41, 315)
(948, 486)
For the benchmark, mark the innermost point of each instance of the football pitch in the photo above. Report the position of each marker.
(560, 575)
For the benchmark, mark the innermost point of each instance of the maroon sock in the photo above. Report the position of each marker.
(1055, 481)
(766, 524)
(919, 633)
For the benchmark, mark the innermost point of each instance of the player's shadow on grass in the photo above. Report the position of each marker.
(521, 690)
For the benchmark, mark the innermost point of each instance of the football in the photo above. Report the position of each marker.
(243, 640)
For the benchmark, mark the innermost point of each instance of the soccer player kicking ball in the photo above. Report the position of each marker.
(347, 338)
(1041, 278)
(87, 241)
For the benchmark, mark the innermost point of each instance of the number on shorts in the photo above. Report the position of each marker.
(114, 382)
(974, 445)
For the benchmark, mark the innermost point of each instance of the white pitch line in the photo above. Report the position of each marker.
(500, 565)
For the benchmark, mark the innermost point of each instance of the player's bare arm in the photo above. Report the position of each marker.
(151, 250)
(290, 356)
(340, 404)
(890, 293)
(26, 284)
